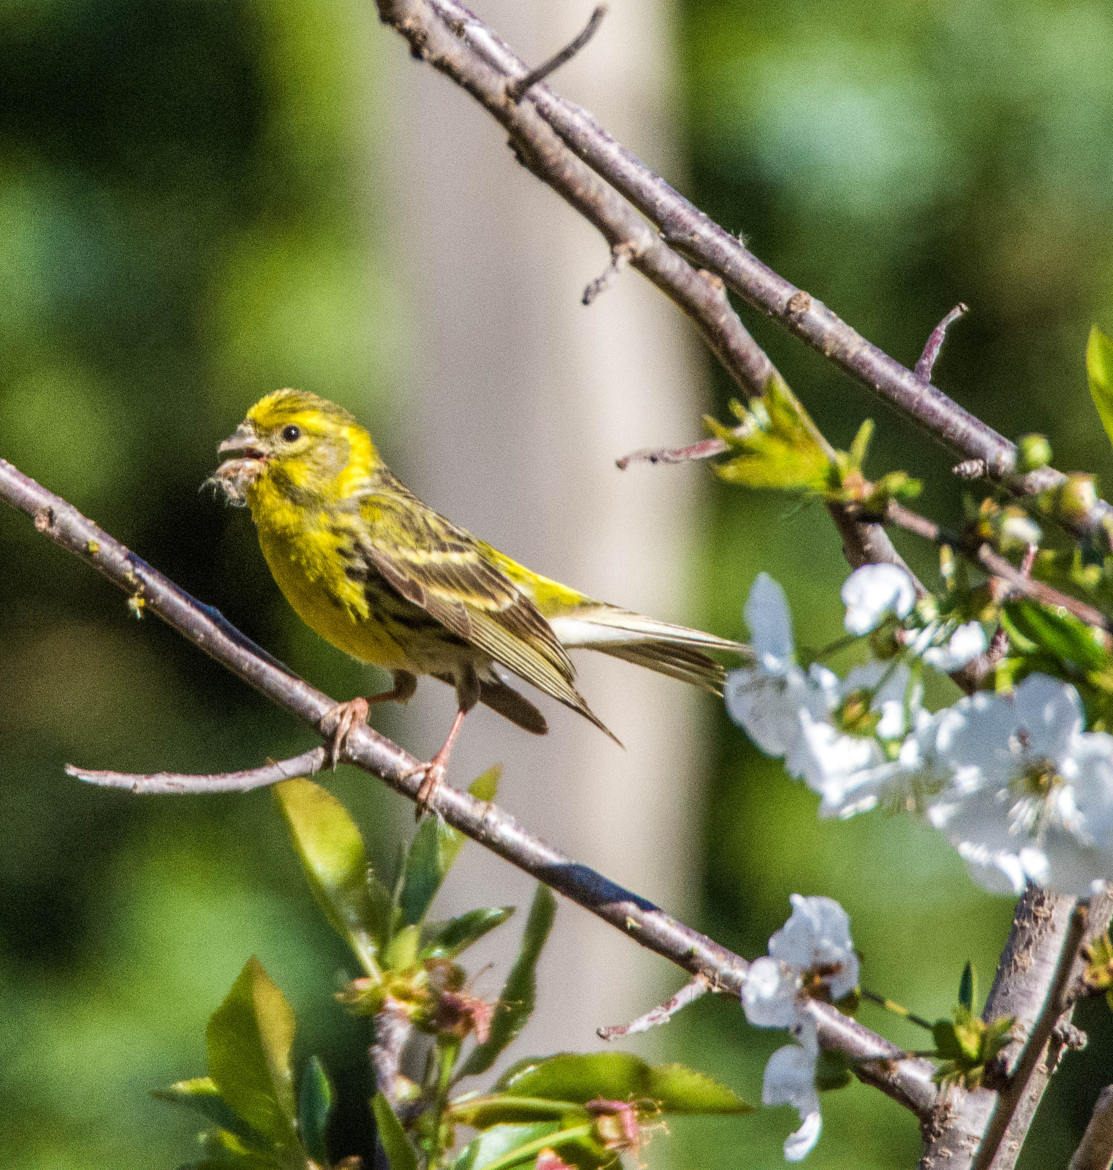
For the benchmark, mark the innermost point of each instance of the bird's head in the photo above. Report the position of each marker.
(304, 448)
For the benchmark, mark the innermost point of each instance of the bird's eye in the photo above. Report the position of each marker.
(291, 434)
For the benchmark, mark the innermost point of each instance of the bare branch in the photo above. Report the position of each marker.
(437, 34)
(621, 254)
(935, 343)
(661, 1014)
(1038, 980)
(905, 1079)
(516, 90)
(165, 783)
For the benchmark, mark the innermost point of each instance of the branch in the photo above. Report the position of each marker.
(179, 783)
(980, 553)
(433, 38)
(661, 1014)
(876, 1061)
(1037, 982)
(516, 90)
(695, 234)
(439, 34)
(1095, 1151)
(447, 35)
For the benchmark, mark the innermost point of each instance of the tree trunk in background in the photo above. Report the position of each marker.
(518, 401)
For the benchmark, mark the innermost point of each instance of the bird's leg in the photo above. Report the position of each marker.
(435, 769)
(467, 695)
(338, 721)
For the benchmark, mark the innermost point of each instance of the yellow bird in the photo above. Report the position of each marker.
(389, 581)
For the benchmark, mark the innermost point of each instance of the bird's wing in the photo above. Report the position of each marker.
(440, 568)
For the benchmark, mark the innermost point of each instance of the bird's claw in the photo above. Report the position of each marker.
(338, 722)
(432, 778)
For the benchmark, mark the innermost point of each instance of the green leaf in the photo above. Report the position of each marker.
(315, 1101)
(777, 444)
(679, 1089)
(506, 1146)
(1071, 641)
(968, 987)
(1099, 373)
(485, 786)
(450, 938)
(483, 1110)
(392, 1137)
(248, 1039)
(331, 852)
(201, 1094)
(620, 1076)
(860, 445)
(401, 954)
(517, 998)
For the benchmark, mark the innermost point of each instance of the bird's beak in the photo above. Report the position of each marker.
(234, 476)
(244, 440)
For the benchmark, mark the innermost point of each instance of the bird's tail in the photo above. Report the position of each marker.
(676, 651)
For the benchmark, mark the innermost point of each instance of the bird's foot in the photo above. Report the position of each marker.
(432, 775)
(338, 722)
(433, 772)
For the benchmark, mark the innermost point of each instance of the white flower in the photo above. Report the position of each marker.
(770, 622)
(817, 937)
(1030, 796)
(948, 647)
(790, 1080)
(901, 783)
(813, 944)
(965, 644)
(873, 592)
(768, 707)
(766, 699)
(769, 995)
(842, 747)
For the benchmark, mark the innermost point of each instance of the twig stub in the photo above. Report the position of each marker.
(516, 90)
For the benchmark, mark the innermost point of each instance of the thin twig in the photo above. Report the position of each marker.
(621, 254)
(165, 783)
(704, 449)
(993, 562)
(516, 90)
(930, 355)
(906, 1080)
(661, 1014)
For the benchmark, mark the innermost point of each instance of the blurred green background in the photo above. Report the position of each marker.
(184, 221)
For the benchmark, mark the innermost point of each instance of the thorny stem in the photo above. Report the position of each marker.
(875, 1060)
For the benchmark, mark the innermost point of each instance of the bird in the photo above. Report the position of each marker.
(385, 578)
